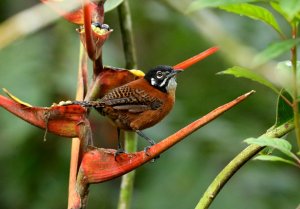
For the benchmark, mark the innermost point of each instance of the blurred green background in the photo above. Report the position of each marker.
(42, 69)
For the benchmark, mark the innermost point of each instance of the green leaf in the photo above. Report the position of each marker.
(290, 7)
(111, 4)
(284, 112)
(284, 71)
(274, 50)
(277, 8)
(200, 4)
(275, 159)
(246, 73)
(255, 12)
(276, 143)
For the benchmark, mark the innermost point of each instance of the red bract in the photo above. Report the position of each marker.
(60, 120)
(92, 38)
(187, 63)
(99, 37)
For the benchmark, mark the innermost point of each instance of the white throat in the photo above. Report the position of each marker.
(171, 88)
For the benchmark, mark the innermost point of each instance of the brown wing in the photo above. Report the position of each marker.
(129, 99)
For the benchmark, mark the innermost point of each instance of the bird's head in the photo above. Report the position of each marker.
(163, 78)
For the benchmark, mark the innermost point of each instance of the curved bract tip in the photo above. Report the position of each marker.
(187, 63)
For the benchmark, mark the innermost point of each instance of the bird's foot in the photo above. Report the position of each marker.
(146, 149)
(119, 151)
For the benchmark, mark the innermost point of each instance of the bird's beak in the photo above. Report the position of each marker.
(175, 72)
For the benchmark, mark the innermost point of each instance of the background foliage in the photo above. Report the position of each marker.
(42, 69)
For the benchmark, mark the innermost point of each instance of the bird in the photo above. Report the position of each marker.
(139, 104)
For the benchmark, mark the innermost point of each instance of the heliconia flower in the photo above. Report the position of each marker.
(100, 32)
(90, 16)
(57, 119)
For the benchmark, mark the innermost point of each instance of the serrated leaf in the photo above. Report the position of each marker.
(284, 112)
(200, 4)
(275, 159)
(246, 73)
(274, 50)
(291, 8)
(277, 143)
(111, 4)
(254, 12)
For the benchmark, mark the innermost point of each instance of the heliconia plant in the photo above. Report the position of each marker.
(90, 164)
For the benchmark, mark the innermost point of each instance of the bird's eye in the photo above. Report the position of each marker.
(159, 74)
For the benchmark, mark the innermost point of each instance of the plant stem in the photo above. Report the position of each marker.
(233, 166)
(126, 189)
(89, 41)
(128, 179)
(76, 153)
(295, 85)
(127, 35)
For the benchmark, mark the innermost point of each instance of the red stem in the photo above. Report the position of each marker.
(89, 38)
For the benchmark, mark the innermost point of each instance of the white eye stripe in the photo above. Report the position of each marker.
(153, 81)
(164, 82)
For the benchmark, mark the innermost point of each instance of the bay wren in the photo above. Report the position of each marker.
(139, 104)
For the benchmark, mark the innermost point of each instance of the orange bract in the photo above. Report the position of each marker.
(187, 63)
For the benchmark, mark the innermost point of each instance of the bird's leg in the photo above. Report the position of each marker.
(120, 149)
(151, 142)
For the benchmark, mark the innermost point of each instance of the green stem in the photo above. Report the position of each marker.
(127, 35)
(233, 166)
(295, 85)
(126, 189)
(128, 179)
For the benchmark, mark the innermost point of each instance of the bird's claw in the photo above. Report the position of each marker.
(146, 149)
(119, 151)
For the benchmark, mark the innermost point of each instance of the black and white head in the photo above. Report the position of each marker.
(163, 78)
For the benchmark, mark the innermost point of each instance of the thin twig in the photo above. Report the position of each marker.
(295, 85)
